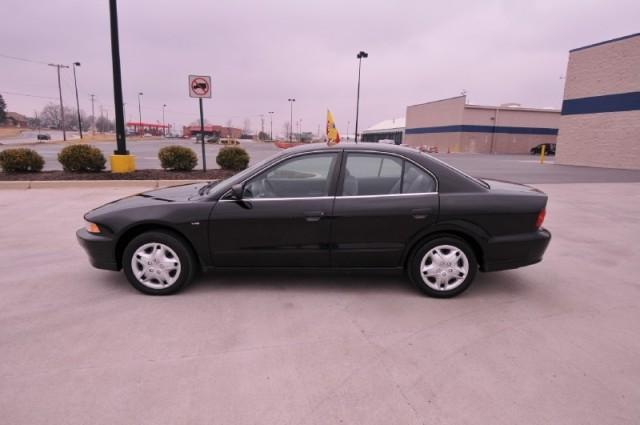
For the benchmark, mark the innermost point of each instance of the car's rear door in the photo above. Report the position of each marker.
(382, 201)
(283, 219)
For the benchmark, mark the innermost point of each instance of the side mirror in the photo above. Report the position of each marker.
(237, 191)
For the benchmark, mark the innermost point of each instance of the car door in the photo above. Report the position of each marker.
(282, 219)
(383, 200)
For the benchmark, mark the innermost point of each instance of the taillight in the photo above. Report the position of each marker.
(540, 218)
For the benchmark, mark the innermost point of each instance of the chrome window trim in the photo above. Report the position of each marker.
(344, 150)
(388, 195)
(274, 199)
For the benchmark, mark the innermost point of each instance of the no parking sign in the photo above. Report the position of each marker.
(200, 86)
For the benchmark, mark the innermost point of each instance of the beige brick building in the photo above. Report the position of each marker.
(600, 121)
(453, 125)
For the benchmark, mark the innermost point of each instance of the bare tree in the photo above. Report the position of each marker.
(104, 125)
(50, 117)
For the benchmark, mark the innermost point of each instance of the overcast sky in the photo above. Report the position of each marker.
(261, 53)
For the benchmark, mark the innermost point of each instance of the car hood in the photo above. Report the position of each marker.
(178, 193)
(181, 193)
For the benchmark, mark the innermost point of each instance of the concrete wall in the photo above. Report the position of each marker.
(604, 131)
(455, 112)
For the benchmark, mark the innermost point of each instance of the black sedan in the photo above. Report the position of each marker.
(315, 206)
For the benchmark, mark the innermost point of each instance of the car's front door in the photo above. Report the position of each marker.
(382, 202)
(282, 219)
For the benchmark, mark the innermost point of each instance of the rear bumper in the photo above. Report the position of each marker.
(100, 249)
(510, 252)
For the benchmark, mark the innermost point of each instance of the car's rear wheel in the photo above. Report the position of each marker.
(158, 263)
(443, 267)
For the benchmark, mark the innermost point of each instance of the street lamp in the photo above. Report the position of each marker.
(291, 120)
(140, 113)
(164, 133)
(271, 125)
(360, 56)
(75, 83)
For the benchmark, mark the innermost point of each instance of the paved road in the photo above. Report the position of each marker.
(518, 168)
(554, 343)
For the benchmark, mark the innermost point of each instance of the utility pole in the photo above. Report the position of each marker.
(360, 55)
(271, 125)
(140, 114)
(58, 66)
(75, 83)
(102, 118)
(291, 100)
(164, 133)
(93, 115)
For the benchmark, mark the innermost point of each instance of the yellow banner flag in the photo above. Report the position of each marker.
(333, 136)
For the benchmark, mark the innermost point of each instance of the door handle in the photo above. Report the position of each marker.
(313, 215)
(421, 213)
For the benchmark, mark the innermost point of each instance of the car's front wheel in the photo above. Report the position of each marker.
(158, 263)
(443, 267)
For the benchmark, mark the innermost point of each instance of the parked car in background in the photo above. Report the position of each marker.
(43, 136)
(549, 149)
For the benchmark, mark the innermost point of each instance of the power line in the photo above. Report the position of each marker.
(23, 59)
(27, 95)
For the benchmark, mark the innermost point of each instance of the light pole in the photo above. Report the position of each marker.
(93, 115)
(348, 124)
(140, 113)
(291, 120)
(75, 83)
(360, 56)
(58, 66)
(271, 125)
(164, 133)
(121, 160)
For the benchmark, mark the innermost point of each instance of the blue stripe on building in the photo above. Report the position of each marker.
(598, 104)
(482, 129)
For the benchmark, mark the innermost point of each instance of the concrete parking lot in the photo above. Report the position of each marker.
(554, 343)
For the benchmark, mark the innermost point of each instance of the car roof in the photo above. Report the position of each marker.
(367, 146)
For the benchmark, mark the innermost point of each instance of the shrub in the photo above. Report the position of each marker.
(81, 158)
(177, 158)
(232, 158)
(21, 160)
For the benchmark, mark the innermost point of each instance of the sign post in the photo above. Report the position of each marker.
(200, 87)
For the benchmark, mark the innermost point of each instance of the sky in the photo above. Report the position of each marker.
(261, 53)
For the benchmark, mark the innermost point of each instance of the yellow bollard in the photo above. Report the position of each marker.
(542, 149)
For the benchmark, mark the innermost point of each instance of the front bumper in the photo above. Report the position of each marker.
(510, 252)
(100, 248)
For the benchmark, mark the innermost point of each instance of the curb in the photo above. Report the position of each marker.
(86, 184)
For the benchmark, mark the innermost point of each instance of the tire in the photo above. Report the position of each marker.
(449, 266)
(170, 266)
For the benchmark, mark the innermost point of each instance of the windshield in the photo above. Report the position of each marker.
(240, 176)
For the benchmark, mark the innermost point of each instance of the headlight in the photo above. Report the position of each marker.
(92, 227)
